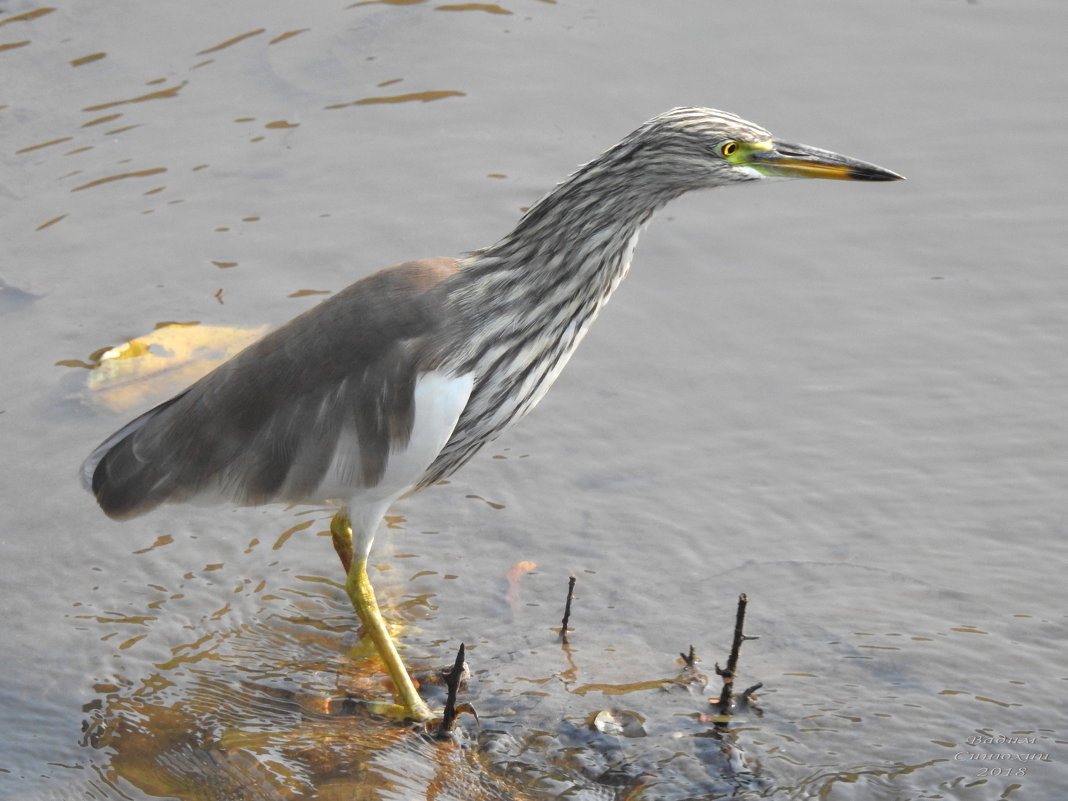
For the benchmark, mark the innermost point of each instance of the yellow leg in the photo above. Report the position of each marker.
(342, 534)
(361, 593)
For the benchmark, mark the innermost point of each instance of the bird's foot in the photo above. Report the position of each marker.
(402, 713)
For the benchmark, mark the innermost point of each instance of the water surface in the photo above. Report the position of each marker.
(846, 401)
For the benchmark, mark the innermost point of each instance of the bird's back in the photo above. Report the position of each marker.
(267, 425)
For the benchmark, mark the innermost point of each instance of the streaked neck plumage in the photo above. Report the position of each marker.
(563, 259)
(518, 309)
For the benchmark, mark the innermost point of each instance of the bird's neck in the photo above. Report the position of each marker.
(564, 258)
(515, 312)
(586, 220)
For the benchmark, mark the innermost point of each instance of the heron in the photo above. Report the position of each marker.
(391, 384)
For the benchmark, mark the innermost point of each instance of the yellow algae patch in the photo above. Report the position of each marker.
(161, 94)
(121, 176)
(28, 15)
(40, 145)
(287, 35)
(163, 362)
(89, 59)
(489, 8)
(421, 97)
(231, 42)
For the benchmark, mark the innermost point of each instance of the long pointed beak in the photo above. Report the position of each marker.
(787, 160)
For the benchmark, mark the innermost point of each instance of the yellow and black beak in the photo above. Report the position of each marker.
(785, 160)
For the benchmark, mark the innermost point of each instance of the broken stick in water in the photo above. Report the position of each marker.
(689, 660)
(452, 682)
(725, 703)
(567, 608)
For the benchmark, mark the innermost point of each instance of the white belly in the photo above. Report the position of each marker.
(439, 399)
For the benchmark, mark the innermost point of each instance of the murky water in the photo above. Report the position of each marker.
(846, 401)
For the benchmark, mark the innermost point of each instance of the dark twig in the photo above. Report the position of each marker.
(739, 637)
(725, 702)
(567, 608)
(690, 659)
(452, 682)
(747, 693)
(742, 776)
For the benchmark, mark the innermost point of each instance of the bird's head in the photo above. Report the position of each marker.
(691, 148)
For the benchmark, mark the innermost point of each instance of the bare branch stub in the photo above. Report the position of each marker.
(725, 701)
(567, 608)
(452, 683)
(689, 659)
(739, 636)
(747, 693)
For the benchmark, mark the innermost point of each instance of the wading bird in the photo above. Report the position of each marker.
(396, 381)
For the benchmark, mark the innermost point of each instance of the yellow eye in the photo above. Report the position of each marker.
(728, 149)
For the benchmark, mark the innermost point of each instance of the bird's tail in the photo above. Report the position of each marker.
(121, 482)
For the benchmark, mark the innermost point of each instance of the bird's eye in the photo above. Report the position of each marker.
(728, 149)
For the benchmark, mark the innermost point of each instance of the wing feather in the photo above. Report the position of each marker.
(265, 426)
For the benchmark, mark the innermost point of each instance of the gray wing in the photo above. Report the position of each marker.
(265, 425)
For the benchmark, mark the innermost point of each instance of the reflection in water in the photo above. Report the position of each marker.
(263, 709)
(276, 710)
(268, 697)
(931, 442)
